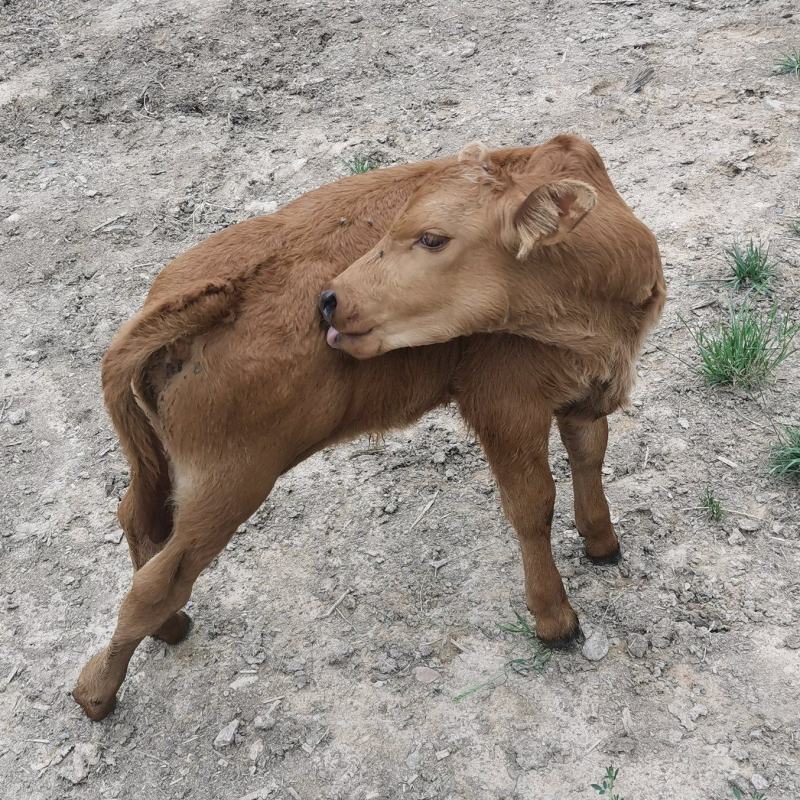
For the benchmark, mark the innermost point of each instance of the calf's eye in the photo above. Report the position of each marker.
(433, 241)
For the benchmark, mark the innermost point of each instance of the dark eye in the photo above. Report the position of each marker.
(433, 241)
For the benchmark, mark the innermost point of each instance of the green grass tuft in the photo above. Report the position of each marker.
(521, 628)
(747, 349)
(750, 266)
(738, 794)
(358, 165)
(785, 458)
(535, 660)
(606, 788)
(795, 225)
(789, 64)
(710, 503)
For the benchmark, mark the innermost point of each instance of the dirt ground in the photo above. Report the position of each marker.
(131, 130)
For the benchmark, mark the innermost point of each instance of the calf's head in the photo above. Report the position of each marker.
(452, 261)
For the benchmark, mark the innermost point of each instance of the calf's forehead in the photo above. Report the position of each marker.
(448, 199)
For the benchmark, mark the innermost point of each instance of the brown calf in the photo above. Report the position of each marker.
(527, 276)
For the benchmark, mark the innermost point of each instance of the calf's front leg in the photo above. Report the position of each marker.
(518, 457)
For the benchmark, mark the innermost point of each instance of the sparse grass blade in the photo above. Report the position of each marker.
(519, 628)
(746, 350)
(738, 794)
(796, 226)
(490, 684)
(535, 660)
(785, 459)
(360, 164)
(710, 503)
(750, 266)
(789, 64)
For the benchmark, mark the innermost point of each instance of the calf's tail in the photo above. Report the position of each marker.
(145, 510)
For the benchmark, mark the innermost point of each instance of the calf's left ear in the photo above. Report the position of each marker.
(550, 212)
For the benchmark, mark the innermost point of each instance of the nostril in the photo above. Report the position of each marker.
(327, 304)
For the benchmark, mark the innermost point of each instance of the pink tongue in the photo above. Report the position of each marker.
(332, 336)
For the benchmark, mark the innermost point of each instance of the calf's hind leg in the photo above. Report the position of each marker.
(206, 516)
(585, 442)
(145, 515)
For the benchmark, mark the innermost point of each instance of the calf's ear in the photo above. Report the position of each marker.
(548, 214)
(477, 159)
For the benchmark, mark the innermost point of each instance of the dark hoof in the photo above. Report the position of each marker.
(175, 629)
(565, 642)
(94, 709)
(612, 558)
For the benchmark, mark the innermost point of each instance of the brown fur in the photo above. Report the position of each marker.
(224, 379)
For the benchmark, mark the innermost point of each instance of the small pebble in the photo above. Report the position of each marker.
(596, 646)
(255, 750)
(265, 723)
(338, 652)
(468, 50)
(792, 641)
(17, 417)
(355, 19)
(735, 538)
(760, 783)
(114, 538)
(637, 645)
(386, 665)
(227, 735)
(243, 681)
(426, 675)
(749, 525)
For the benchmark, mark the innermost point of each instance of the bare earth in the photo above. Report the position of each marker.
(131, 130)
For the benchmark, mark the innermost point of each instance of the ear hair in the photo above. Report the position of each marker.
(475, 152)
(477, 158)
(550, 212)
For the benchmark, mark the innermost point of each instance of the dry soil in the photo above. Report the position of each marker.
(131, 130)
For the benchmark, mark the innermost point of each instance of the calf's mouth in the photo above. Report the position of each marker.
(336, 339)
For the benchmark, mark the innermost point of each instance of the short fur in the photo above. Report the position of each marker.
(224, 380)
